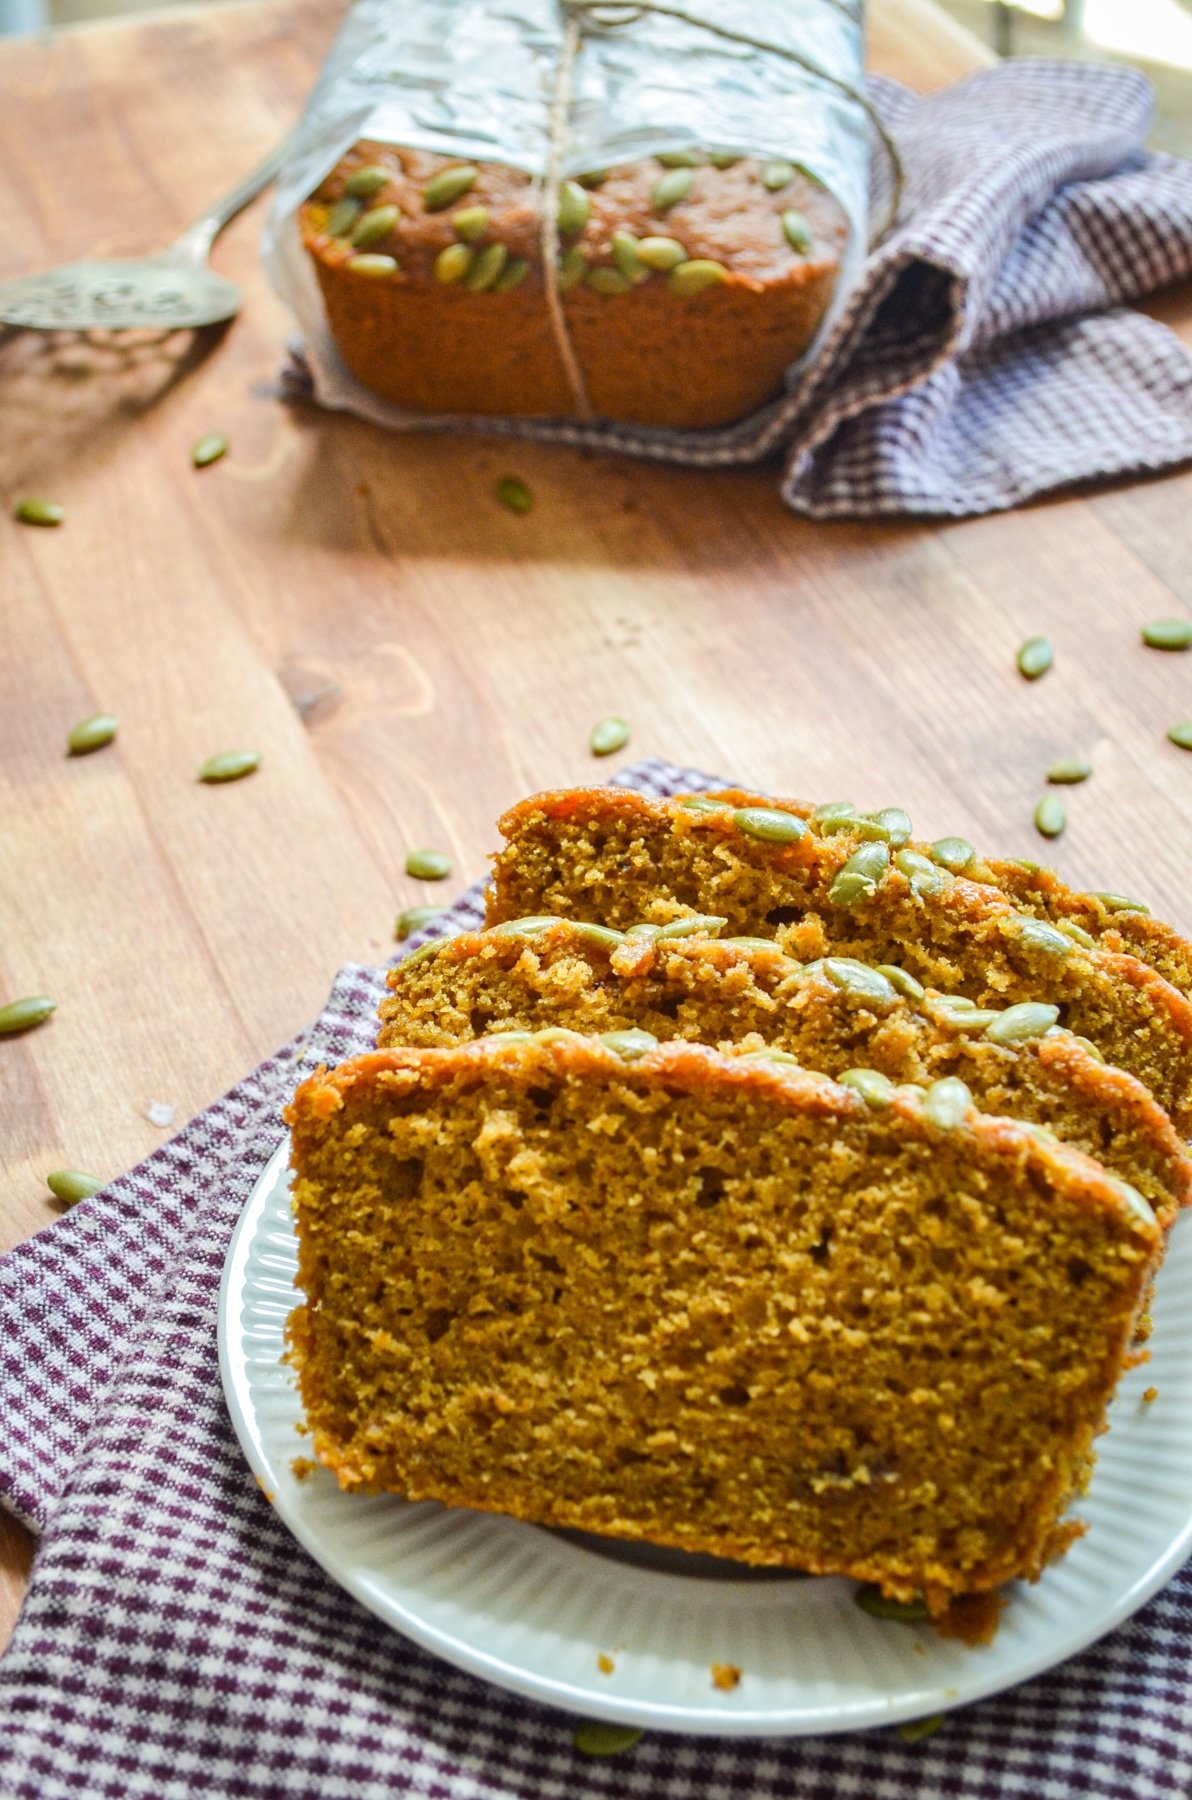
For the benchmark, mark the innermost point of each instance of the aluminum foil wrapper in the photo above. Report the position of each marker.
(475, 79)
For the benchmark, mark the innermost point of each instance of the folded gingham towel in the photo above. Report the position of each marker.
(985, 355)
(176, 1642)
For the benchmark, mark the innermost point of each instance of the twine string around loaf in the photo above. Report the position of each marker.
(610, 16)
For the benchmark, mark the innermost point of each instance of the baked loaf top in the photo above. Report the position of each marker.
(791, 1329)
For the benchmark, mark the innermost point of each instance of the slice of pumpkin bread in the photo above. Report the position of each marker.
(712, 1302)
(611, 856)
(837, 1016)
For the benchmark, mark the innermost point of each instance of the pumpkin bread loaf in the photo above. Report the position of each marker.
(713, 1302)
(687, 292)
(611, 856)
(839, 1017)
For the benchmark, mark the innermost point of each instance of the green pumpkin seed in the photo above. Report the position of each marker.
(871, 1600)
(71, 1185)
(681, 159)
(723, 159)
(530, 926)
(755, 946)
(915, 1730)
(209, 449)
(448, 186)
(24, 1014)
(486, 267)
(895, 822)
(362, 184)
(608, 736)
(605, 280)
(671, 188)
(876, 1089)
(1050, 816)
(1091, 1049)
(573, 266)
(796, 231)
(1036, 934)
(1077, 933)
(376, 267)
(372, 227)
(514, 494)
(92, 734)
(229, 765)
(1168, 634)
(599, 937)
(470, 223)
(597, 1737)
(33, 511)
(424, 951)
(645, 933)
(453, 263)
(342, 217)
(630, 1044)
(769, 825)
(593, 178)
(777, 175)
(413, 919)
(1134, 1201)
(512, 275)
(699, 803)
(1181, 735)
(769, 1054)
(952, 853)
(1034, 658)
(1031, 868)
(626, 257)
(833, 810)
(428, 865)
(970, 1022)
(946, 1102)
(952, 1003)
(1067, 774)
(664, 253)
(1029, 1019)
(712, 923)
(693, 277)
(860, 875)
(857, 978)
(902, 981)
(1120, 903)
(574, 209)
(920, 871)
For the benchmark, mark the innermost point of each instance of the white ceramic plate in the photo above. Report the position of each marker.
(531, 1610)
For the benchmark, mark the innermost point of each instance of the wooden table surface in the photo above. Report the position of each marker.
(409, 658)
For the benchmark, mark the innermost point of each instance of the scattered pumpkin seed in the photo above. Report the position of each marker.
(946, 1102)
(796, 231)
(952, 1003)
(209, 449)
(712, 923)
(593, 178)
(857, 978)
(1181, 735)
(631, 1043)
(915, 1730)
(694, 276)
(1029, 1019)
(699, 803)
(1034, 658)
(486, 267)
(777, 175)
(671, 188)
(871, 1600)
(606, 280)
(597, 1737)
(627, 258)
(413, 919)
(453, 263)
(471, 223)
(645, 933)
(574, 209)
(362, 184)
(229, 765)
(71, 1185)
(770, 825)
(681, 159)
(342, 217)
(1091, 1048)
(876, 1089)
(1067, 774)
(859, 876)
(1168, 634)
(24, 1014)
(1050, 816)
(423, 952)
(448, 186)
(92, 734)
(896, 822)
(372, 227)
(428, 865)
(772, 1055)
(601, 937)
(663, 253)
(512, 275)
(33, 511)
(920, 871)
(1037, 934)
(1120, 903)
(573, 266)
(514, 494)
(1077, 933)
(375, 266)
(952, 853)
(832, 810)
(608, 736)
(723, 159)
(1142, 1209)
(756, 945)
(970, 1021)
(527, 927)
(902, 981)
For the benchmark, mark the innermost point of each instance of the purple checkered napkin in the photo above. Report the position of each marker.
(177, 1643)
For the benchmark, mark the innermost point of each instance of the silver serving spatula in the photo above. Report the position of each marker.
(169, 289)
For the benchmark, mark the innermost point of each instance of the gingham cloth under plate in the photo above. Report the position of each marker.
(177, 1643)
(985, 355)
